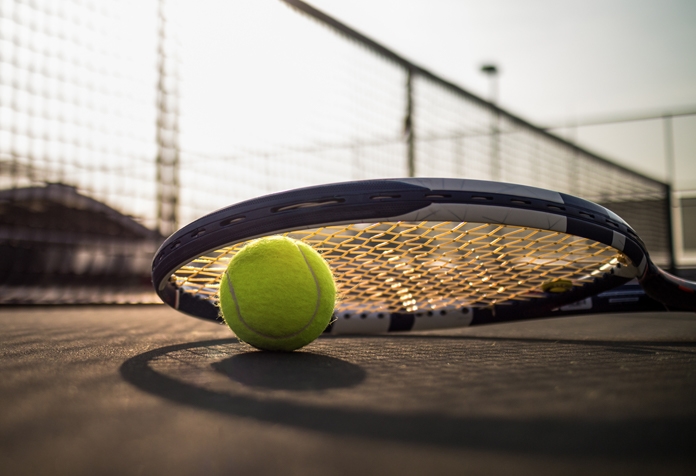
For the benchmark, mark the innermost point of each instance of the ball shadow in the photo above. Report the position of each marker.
(298, 371)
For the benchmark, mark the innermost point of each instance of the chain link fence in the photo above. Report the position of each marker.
(122, 120)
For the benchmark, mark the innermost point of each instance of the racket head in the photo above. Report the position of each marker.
(457, 249)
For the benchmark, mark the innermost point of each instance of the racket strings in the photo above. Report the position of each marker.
(407, 267)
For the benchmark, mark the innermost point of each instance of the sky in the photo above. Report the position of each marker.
(561, 63)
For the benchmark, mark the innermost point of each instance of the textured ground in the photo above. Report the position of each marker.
(145, 390)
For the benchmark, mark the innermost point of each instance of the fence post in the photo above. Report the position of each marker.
(671, 174)
(409, 126)
(167, 122)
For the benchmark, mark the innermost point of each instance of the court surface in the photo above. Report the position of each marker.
(146, 390)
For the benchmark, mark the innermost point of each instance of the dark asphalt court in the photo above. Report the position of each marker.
(145, 390)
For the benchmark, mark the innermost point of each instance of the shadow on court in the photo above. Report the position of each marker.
(647, 438)
(294, 371)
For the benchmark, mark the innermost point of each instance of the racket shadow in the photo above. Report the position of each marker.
(638, 347)
(645, 438)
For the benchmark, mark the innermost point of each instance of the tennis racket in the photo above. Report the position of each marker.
(425, 253)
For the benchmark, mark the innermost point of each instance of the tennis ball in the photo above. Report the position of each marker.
(557, 286)
(277, 294)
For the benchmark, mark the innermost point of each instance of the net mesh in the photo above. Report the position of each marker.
(77, 94)
(154, 113)
(425, 266)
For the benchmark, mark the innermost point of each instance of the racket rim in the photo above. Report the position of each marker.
(279, 202)
(378, 200)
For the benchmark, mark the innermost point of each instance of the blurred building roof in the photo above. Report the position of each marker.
(58, 212)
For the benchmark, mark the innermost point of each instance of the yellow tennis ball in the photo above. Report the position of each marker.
(557, 286)
(277, 294)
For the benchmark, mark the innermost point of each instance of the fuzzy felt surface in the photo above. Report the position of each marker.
(277, 294)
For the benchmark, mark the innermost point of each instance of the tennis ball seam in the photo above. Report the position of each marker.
(230, 287)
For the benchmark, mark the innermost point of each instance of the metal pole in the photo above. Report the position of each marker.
(167, 123)
(491, 71)
(669, 148)
(671, 175)
(408, 126)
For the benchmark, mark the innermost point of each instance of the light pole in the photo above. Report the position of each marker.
(491, 71)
